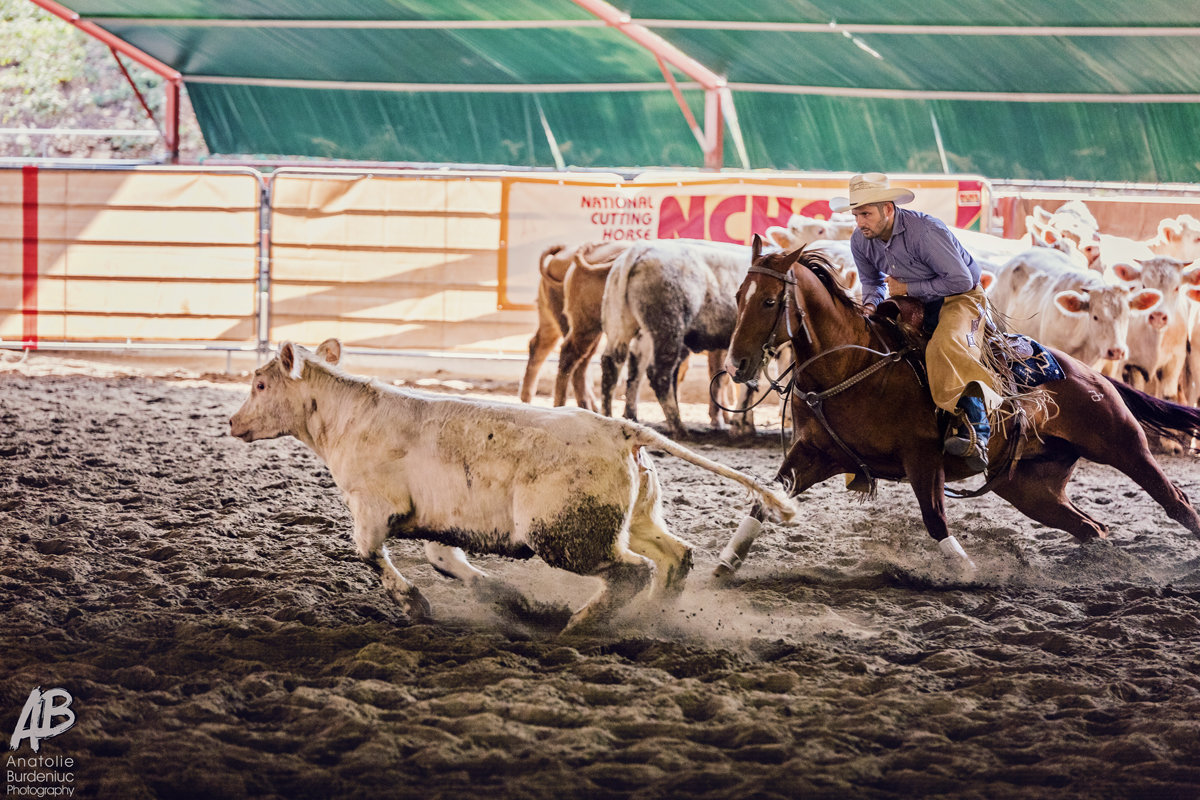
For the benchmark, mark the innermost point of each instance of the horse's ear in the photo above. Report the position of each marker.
(755, 248)
(792, 258)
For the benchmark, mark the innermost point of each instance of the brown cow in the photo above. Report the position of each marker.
(583, 292)
(553, 265)
(568, 302)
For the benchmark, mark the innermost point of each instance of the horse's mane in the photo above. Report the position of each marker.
(820, 265)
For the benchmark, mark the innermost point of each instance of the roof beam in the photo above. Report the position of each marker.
(713, 142)
(387, 86)
(350, 24)
(938, 94)
(676, 24)
(926, 30)
(657, 45)
(767, 88)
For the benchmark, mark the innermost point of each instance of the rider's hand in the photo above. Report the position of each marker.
(895, 287)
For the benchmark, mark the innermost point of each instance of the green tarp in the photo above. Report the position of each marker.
(1107, 89)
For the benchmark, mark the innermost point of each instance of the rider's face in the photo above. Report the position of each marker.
(875, 220)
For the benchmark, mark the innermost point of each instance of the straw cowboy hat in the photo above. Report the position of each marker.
(871, 187)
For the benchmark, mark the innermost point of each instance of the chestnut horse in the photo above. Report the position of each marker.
(858, 408)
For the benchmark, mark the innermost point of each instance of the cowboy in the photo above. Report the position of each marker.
(911, 253)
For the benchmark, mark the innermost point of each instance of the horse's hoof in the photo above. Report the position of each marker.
(723, 573)
(957, 557)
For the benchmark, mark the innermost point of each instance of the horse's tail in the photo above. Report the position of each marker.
(783, 506)
(1172, 420)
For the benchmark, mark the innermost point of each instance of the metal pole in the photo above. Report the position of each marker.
(662, 49)
(172, 76)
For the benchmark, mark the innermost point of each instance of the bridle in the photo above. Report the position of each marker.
(816, 400)
(769, 347)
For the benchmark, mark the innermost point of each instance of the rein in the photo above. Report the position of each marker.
(815, 400)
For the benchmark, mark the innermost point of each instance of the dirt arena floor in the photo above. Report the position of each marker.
(200, 601)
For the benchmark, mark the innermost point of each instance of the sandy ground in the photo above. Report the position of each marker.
(200, 601)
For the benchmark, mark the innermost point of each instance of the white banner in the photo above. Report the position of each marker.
(540, 213)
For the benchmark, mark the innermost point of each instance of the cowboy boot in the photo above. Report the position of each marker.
(969, 440)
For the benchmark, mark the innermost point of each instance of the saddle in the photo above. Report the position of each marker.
(1022, 363)
(914, 319)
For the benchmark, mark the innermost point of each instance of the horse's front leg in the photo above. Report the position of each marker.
(803, 467)
(927, 476)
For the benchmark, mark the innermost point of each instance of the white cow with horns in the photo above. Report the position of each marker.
(575, 488)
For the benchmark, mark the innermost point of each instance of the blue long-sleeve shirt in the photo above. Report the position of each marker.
(922, 253)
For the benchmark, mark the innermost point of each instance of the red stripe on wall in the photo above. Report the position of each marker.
(29, 252)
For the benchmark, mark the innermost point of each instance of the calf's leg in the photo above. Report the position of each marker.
(452, 562)
(371, 526)
(663, 379)
(402, 590)
(716, 417)
(610, 369)
(649, 537)
(573, 356)
(623, 579)
(633, 382)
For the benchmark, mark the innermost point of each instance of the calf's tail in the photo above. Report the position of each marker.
(1162, 417)
(618, 322)
(544, 262)
(783, 506)
(601, 267)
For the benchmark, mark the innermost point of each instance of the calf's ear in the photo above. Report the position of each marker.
(1127, 272)
(780, 236)
(330, 350)
(1145, 300)
(1072, 302)
(290, 360)
(1171, 230)
(986, 279)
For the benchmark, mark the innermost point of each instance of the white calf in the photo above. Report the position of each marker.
(577, 489)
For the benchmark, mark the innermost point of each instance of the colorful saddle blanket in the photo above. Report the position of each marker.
(1034, 364)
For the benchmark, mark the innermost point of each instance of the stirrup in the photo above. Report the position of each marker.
(970, 447)
(971, 451)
